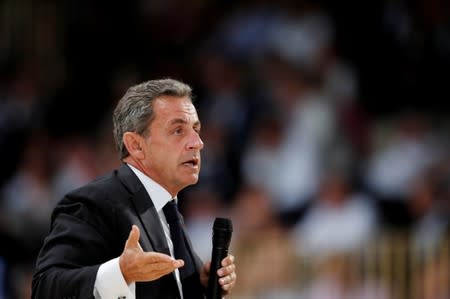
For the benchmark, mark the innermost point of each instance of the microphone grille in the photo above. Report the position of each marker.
(223, 224)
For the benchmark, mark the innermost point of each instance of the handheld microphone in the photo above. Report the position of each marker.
(221, 238)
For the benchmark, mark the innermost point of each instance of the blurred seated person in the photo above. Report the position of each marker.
(262, 245)
(338, 220)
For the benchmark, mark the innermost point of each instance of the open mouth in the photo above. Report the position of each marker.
(192, 162)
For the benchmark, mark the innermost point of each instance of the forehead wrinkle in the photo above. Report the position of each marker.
(182, 121)
(186, 112)
(185, 120)
(178, 121)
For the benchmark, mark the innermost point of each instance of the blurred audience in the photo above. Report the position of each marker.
(302, 130)
(76, 165)
(339, 220)
(263, 247)
(429, 209)
(28, 198)
(403, 153)
(335, 277)
(200, 207)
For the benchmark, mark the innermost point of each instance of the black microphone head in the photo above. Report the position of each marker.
(222, 231)
(223, 224)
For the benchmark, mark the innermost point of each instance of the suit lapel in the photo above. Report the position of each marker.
(152, 233)
(149, 218)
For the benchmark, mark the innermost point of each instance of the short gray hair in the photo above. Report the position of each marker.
(134, 111)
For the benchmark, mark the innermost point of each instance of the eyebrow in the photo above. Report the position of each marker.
(183, 121)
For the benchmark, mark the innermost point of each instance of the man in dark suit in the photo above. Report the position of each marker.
(112, 238)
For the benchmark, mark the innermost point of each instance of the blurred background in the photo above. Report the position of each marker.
(326, 130)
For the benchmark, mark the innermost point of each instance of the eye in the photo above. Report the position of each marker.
(178, 131)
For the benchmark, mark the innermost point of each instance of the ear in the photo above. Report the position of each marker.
(133, 143)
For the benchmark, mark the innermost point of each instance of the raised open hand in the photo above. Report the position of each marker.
(137, 265)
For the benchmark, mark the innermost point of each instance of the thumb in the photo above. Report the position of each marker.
(133, 238)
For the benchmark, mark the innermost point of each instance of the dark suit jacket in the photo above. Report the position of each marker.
(89, 227)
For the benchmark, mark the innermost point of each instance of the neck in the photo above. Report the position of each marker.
(138, 165)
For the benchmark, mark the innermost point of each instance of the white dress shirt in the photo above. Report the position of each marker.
(110, 283)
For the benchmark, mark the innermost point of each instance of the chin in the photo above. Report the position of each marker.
(193, 180)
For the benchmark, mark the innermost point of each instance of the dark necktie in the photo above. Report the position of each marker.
(187, 272)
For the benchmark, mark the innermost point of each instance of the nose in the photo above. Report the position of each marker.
(195, 142)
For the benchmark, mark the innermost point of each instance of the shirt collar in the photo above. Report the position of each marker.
(158, 195)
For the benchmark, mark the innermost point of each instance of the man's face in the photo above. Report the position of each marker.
(172, 146)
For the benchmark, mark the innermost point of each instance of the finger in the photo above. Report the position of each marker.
(157, 257)
(162, 268)
(168, 267)
(154, 258)
(228, 260)
(227, 288)
(178, 263)
(155, 265)
(226, 270)
(227, 279)
(175, 264)
(133, 238)
(155, 271)
(228, 282)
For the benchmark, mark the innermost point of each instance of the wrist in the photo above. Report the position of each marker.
(122, 266)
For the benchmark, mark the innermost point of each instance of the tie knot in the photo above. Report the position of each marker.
(171, 211)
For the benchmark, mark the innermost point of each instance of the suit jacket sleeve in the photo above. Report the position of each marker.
(79, 241)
